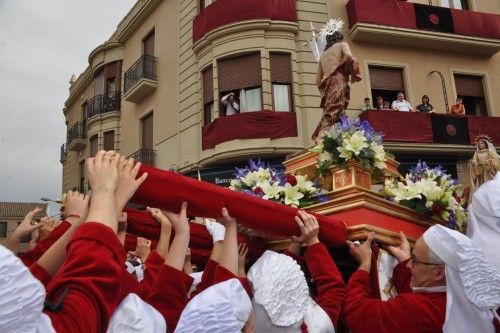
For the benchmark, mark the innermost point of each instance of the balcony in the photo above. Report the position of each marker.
(405, 24)
(226, 12)
(64, 153)
(77, 137)
(249, 125)
(140, 79)
(102, 104)
(145, 156)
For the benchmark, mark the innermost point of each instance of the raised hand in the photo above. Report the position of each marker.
(48, 225)
(242, 258)
(76, 206)
(215, 229)
(403, 251)
(143, 248)
(27, 225)
(158, 215)
(309, 229)
(362, 253)
(127, 182)
(179, 221)
(227, 220)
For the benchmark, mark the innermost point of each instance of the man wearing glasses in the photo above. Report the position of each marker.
(420, 281)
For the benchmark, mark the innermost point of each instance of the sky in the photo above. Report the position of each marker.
(41, 44)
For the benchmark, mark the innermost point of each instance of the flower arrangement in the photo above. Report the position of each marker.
(351, 140)
(432, 192)
(261, 180)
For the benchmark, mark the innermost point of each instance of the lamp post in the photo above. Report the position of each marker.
(445, 93)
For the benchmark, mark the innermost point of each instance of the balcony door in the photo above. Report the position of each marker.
(456, 4)
(149, 44)
(147, 132)
(386, 82)
(470, 89)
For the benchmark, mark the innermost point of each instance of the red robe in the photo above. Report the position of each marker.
(408, 312)
(329, 284)
(169, 294)
(92, 276)
(33, 255)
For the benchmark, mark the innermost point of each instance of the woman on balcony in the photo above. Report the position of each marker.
(336, 65)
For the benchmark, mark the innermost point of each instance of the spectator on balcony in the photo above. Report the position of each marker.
(401, 104)
(379, 103)
(367, 105)
(425, 106)
(386, 106)
(231, 104)
(458, 108)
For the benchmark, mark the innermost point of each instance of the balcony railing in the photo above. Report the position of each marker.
(406, 24)
(101, 104)
(144, 68)
(77, 135)
(144, 155)
(64, 153)
(225, 12)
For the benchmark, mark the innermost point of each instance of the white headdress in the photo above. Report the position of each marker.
(280, 288)
(331, 27)
(472, 284)
(483, 225)
(21, 297)
(135, 315)
(224, 307)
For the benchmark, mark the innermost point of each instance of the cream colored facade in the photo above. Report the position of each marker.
(175, 97)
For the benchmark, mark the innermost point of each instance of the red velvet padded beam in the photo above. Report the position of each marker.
(167, 190)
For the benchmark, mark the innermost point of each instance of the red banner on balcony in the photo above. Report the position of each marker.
(484, 125)
(401, 126)
(249, 125)
(224, 12)
(167, 190)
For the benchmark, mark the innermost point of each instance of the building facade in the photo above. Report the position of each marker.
(153, 90)
(11, 214)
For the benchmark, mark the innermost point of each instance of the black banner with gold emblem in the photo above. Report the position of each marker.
(450, 129)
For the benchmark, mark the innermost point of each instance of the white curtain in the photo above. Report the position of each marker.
(250, 100)
(281, 97)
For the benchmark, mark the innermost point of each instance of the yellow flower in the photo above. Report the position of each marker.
(356, 143)
(271, 191)
(292, 194)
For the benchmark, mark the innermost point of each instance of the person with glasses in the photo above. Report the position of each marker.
(420, 281)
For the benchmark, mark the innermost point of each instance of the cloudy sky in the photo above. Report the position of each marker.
(41, 44)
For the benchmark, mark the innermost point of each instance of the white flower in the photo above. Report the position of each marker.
(356, 143)
(319, 148)
(304, 185)
(292, 194)
(344, 153)
(271, 191)
(235, 184)
(325, 158)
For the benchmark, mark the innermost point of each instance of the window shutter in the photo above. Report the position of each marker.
(281, 68)
(208, 85)
(109, 140)
(384, 78)
(149, 44)
(239, 72)
(147, 132)
(469, 85)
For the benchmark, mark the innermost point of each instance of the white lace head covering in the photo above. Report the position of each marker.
(281, 295)
(472, 284)
(133, 315)
(483, 225)
(21, 297)
(224, 307)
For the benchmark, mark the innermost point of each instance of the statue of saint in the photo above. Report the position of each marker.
(485, 163)
(336, 66)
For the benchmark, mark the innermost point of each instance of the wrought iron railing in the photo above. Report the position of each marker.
(77, 131)
(100, 104)
(64, 152)
(144, 155)
(144, 67)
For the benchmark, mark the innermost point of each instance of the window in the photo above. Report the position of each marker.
(109, 140)
(208, 94)
(3, 229)
(99, 82)
(85, 114)
(281, 78)
(93, 145)
(242, 75)
(470, 89)
(456, 4)
(386, 82)
(110, 86)
(81, 184)
(205, 3)
(147, 131)
(149, 44)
